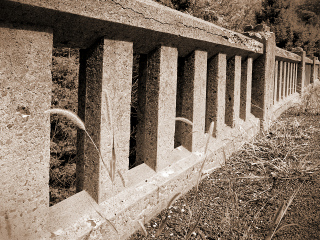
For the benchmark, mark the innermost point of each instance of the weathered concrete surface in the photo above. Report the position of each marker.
(296, 78)
(191, 96)
(160, 109)
(313, 70)
(275, 83)
(216, 90)
(144, 22)
(105, 78)
(280, 80)
(308, 75)
(280, 107)
(309, 60)
(233, 82)
(284, 77)
(289, 77)
(293, 77)
(317, 70)
(262, 80)
(246, 83)
(25, 93)
(284, 55)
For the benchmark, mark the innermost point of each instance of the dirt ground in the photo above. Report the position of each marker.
(240, 200)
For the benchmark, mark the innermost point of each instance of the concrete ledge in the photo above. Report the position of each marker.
(279, 107)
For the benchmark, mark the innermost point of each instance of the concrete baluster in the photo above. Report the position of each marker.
(104, 105)
(191, 97)
(292, 78)
(276, 80)
(301, 73)
(25, 83)
(233, 83)
(296, 77)
(313, 70)
(262, 81)
(216, 90)
(317, 69)
(246, 83)
(284, 82)
(280, 80)
(160, 106)
(288, 79)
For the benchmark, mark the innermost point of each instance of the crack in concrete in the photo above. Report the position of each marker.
(234, 36)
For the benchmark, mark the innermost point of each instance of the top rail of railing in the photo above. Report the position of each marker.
(282, 54)
(143, 22)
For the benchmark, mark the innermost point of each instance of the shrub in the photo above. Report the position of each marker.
(310, 98)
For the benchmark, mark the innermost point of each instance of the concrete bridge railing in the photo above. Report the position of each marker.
(188, 68)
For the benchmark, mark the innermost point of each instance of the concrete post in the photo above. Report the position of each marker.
(25, 93)
(232, 110)
(313, 70)
(276, 80)
(192, 97)
(216, 91)
(246, 82)
(301, 75)
(262, 81)
(105, 78)
(280, 80)
(160, 109)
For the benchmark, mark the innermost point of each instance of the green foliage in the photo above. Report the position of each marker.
(310, 98)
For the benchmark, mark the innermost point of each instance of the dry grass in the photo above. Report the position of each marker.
(80, 124)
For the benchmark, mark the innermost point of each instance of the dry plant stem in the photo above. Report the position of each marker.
(79, 123)
(99, 211)
(163, 223)
(182, 119)
(144, 230)
(210, 132)
(191, 230)
(205, 153)
(280, 214)
(113, 159)
(99, 153)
